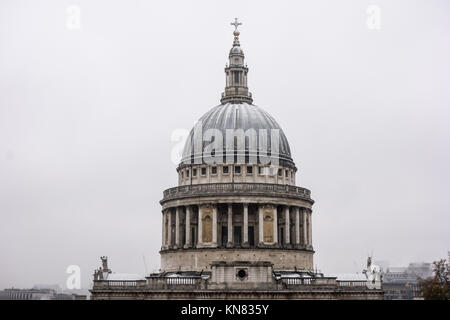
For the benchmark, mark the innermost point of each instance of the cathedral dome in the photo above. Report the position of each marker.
(237, 116)
(256, 137)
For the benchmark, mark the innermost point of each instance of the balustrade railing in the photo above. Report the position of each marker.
(359, 283)
(220, 188)
(322, 281)
(174, 283)
(120, 283)
(298, 281)
(196, 283)
(182, 281)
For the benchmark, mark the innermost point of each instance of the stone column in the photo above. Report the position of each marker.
(287, 226)
(200, 229)
(245, 225)
(169, 228)
(177, 227)
(260, 224)
(188, 227)
(275, 225)
(214, 226)
(297, 225)
(305, 225)
(230, 226)
(310, 227)
(163, 229)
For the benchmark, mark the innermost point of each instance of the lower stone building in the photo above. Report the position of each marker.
(231, 280)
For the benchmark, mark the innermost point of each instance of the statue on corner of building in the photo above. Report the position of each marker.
(104, 263)
(373, 275)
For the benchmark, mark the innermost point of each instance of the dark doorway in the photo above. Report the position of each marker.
(251, 236)
(237, 234)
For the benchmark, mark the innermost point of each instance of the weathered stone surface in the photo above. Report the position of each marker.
(201, 259)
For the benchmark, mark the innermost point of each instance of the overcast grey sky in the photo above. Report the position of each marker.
(86, 117)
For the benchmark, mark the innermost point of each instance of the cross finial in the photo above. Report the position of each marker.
(236, 24)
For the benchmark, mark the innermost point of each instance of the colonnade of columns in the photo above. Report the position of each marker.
(197, 226)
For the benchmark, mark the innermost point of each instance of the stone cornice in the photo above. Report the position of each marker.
(240, 189)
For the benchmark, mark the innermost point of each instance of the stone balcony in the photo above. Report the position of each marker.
(237, 189)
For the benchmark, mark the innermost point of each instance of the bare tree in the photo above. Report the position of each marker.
(438, 286)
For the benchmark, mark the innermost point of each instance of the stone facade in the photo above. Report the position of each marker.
(236, 226)
(235, 280)
(198, 260)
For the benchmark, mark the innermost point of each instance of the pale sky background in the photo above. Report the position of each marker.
(86, 118)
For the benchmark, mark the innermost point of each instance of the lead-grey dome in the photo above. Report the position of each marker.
(238, 116)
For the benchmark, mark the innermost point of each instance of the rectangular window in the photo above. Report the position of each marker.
(203, 171)
(237, 169)
(260, 170)
(249, 169)
(187, 173)
(194, 172)
(214, 170)
(280, 173)
(225, 170)
(287, 173)
(182, 174)
(236, 77)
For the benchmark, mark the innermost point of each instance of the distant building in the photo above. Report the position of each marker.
(402, 283)
(39, 292)
(34, 294)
